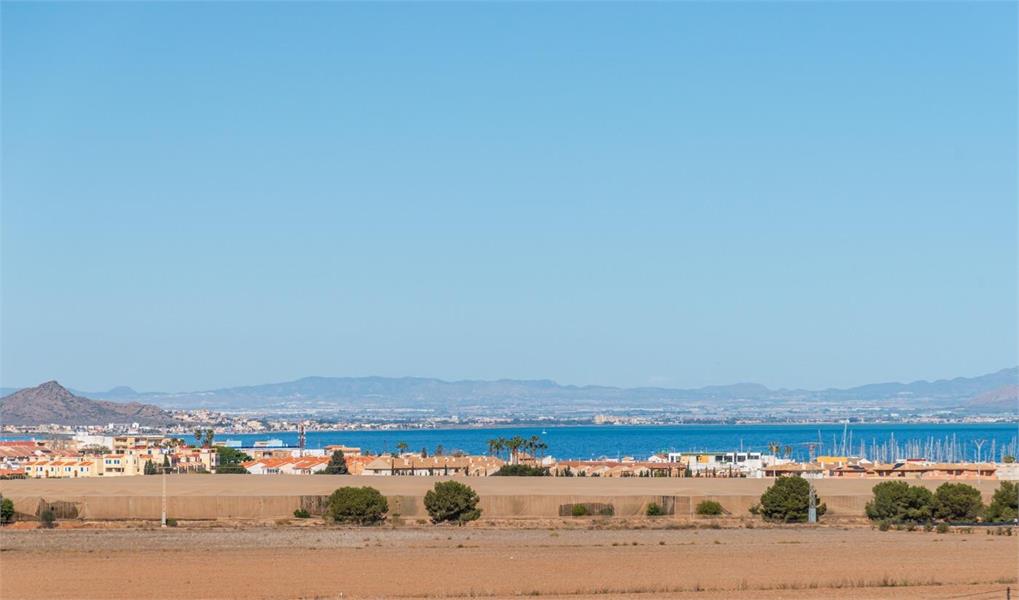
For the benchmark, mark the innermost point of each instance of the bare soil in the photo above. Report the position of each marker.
(326, 563)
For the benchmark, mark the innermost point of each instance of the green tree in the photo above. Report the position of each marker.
(230, 460)
(1005, 503)
(360, 505)
(899, 502)
(231, 456)
(6, 510)
(788, 500)
(452, 501)
(957, 502)
(521, 471)
(150, 468)
(337, 464)
(47, 518)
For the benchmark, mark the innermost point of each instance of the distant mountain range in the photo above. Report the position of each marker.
(52, 403)
(992, 393)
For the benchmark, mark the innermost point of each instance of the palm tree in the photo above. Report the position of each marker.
(198, 437)
(535, 446)
(496, 446)
(515, 444)
(401, 447)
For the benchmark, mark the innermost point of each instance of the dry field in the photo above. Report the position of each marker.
(319, 562)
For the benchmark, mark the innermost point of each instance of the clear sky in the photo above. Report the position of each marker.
(677, 194)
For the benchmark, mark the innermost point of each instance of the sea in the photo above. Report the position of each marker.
(882, 442)
(616, 441)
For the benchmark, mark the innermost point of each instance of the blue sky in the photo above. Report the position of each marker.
(676, 194)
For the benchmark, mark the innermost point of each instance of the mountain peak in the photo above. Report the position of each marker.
(51, 402)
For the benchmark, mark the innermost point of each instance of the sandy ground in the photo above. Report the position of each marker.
(319, 562)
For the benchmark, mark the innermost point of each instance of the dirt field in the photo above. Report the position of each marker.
(320, 562)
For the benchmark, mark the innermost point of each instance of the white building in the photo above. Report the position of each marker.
(740, 464)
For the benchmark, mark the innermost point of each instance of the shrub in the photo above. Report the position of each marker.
(607, 511)
(452, 501)
(579, 510)
(300, 513)
(884, 525)
(171, 522)
(360, 505)
(957, 502)
(709, 508)
(48, 518)
(654, 510)
(899, 502)
(231, 470)
(6, 510)
(521, 471)
(942, 528)
(788, 500)
(1005, 503)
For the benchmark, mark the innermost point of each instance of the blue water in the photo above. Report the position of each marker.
(586, 442)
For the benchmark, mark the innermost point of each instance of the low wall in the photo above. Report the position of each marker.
(208, 497)
(107, 508)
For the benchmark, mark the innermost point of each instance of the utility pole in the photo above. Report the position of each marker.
(300, 440)
(812, 502)
(162, 520)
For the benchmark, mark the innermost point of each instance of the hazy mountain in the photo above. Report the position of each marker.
(958, 388)
(544, 396)
(52, 403)
(1005, 398)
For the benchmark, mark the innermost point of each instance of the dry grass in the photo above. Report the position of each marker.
(268, 563)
